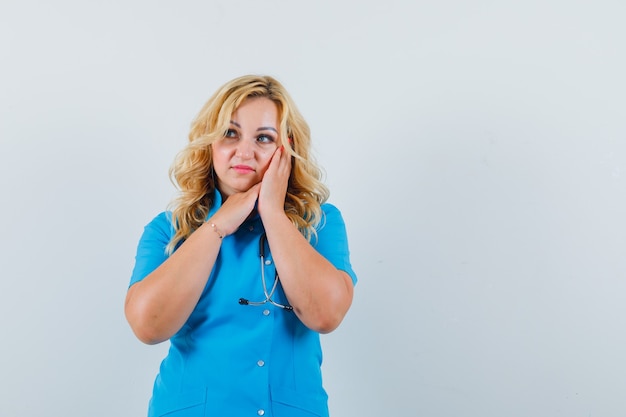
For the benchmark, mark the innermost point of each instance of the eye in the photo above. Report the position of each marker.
(265, 139)
(230, 133)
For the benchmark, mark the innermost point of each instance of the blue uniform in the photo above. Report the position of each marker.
(241, 360)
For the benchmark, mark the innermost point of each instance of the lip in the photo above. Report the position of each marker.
(243, 169)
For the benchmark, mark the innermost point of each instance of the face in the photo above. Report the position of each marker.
(242, 156)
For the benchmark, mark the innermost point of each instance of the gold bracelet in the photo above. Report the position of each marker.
(214, 227)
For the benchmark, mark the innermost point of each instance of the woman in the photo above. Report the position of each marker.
(251, 209)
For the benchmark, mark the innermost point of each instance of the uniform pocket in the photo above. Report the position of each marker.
(287, 402)
(188, 403)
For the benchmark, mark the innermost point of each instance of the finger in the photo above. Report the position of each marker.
(287, 157)
(285, 161)
(274, 165)
(279, 155)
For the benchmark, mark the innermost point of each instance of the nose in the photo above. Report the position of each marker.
(245, 149)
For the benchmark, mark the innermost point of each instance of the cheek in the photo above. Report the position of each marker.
(264, 164)
(220, 156)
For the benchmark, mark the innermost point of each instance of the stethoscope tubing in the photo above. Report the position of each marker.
(268, 294)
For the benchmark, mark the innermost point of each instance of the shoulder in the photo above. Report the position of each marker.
(162, 220)
(331, 221)
(161, 225)
(151, 248)
(331, 240)
(331, 210)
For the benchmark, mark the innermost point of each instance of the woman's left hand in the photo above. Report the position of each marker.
(274, 184)
(319, 293)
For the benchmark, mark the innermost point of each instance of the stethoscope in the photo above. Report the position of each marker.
(270, 293)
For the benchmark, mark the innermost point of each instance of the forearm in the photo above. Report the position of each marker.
(319, 293)
(158, 306)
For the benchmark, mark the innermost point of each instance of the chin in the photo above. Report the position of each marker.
(242, 188)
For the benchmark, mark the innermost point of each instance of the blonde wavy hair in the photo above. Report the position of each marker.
(192, 171)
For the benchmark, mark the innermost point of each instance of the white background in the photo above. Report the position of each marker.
(477, 150)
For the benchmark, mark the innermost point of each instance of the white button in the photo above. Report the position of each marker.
(261, 412)
(268, 262)
(260, 363)
(266, 312)
(251, 228)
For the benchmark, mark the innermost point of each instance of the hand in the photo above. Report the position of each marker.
(235, 210)
(275, 182)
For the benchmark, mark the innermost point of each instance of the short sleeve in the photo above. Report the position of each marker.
(332, 240)
(151, 248)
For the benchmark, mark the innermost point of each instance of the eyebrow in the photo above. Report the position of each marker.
(258, 130)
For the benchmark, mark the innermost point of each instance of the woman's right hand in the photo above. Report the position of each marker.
(235, 210)
(160, 304)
